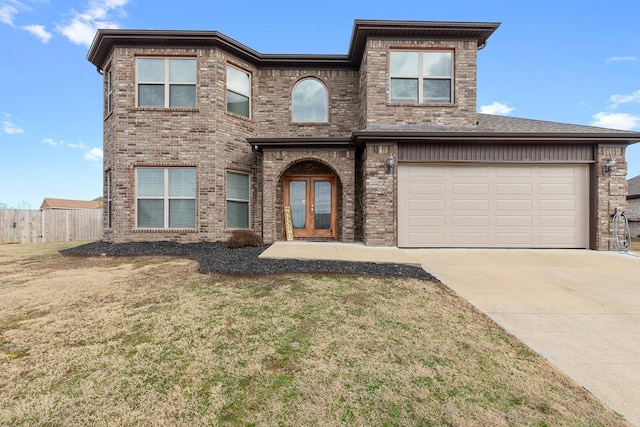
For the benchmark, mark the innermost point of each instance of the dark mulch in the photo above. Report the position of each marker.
(217, 257)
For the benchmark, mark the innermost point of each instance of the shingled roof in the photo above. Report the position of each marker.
(493, 128)
(634, 188)
(49, 203)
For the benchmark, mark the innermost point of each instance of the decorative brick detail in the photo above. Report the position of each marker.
(277, 163)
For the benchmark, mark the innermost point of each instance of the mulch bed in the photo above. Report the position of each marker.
(217, 257)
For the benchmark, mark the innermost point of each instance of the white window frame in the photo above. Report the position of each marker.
(167, 83)
(421, 77)
(230, 199)
(249, 95)
(166, 198)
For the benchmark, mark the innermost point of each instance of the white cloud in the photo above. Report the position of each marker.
(94, 154)
(79, 146)
(53, 143)
(8, 11)
(496, 108)
(11, 128)
(617, 100)
(91, 154)
(8, 125)
(623, 121)
(621, 59)
(83, 26)
(39, 31)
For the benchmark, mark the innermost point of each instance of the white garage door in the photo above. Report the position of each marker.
(493, 206)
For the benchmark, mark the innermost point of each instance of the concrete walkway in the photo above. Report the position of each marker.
(579, 309)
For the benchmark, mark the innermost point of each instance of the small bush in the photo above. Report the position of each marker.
(243, 238)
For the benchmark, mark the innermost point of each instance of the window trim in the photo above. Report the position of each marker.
(227, 90)
(166, 83)
(109, 201)
(326, 94)
(421, 77)
(109, 77)
(230, 199)
(165, 197)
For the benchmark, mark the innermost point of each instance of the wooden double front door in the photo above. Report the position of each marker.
(312, 199)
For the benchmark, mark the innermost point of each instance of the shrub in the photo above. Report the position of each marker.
(243, 238)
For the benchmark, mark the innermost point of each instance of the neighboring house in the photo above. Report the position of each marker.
(633, 211)
(49, 203)
(203, 135)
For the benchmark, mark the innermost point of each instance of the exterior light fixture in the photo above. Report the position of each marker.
(607, 168)
(390, 162)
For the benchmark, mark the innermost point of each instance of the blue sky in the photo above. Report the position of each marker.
(565, 61)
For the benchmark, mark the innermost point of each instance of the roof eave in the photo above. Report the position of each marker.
(260, 144)
(106, 39)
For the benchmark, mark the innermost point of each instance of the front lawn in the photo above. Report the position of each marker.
(150, 341)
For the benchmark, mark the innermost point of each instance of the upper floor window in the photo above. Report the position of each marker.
(109, 91)
(166, 82)
(421, 77)
(238, 91)
(310, 101)
(166, 197)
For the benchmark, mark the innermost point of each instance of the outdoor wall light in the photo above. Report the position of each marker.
(607, 168)
(390, 162)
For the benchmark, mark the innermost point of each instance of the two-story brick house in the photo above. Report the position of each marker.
(203, 135)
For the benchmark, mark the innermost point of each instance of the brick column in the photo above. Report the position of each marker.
(379, 217)
(611, 193)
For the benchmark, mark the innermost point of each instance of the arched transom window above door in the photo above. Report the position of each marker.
(310, 101)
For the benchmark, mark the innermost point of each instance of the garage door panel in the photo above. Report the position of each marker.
(564, 189)
(518, 205)
(426, 188)
(557, 172)
(426, 239)
(426, 220)
(568, 221)
(554, 205)
(524, 189)
(514, 221)
(513, 172)
(426, 205)
(470, 239)
(470, 221)
(470, 205)
(514, 239)
(493, 206)
(469, 188)
(470, 171)
(557, 239)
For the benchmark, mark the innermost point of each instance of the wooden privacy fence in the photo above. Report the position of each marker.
(30, 226)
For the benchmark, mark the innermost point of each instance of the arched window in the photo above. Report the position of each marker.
(310, 101)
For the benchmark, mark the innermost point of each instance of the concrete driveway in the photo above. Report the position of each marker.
(579, 309)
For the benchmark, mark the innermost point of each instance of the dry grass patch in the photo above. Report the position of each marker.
(149, 341)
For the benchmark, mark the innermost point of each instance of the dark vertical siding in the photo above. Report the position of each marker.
(508, 153)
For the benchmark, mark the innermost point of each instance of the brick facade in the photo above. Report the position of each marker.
(269, 145)
(611, 194)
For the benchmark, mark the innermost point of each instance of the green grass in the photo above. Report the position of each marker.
(155, 343)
